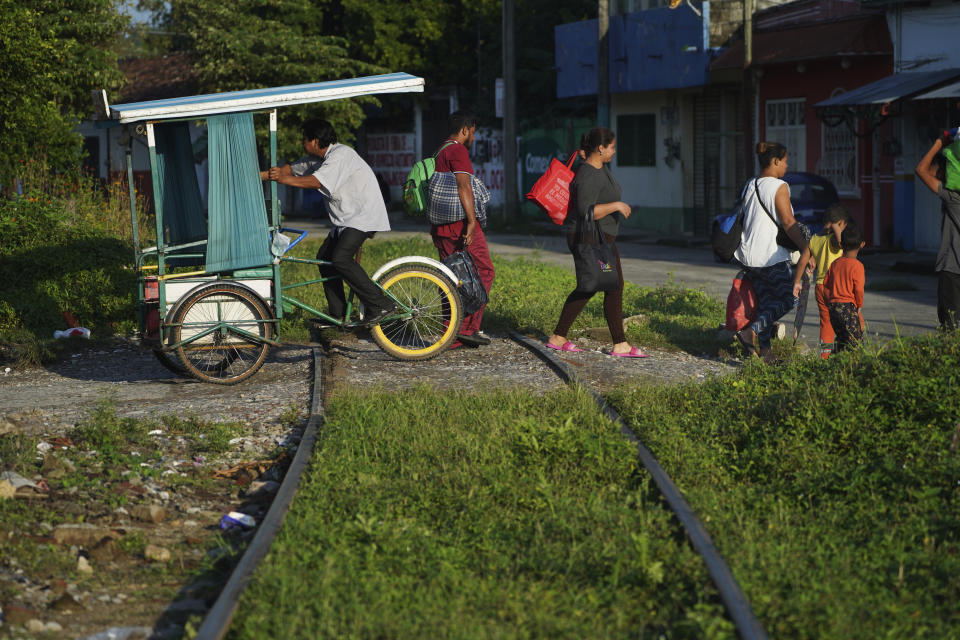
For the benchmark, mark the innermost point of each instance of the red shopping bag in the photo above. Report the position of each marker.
(741, 303)
(552, 191)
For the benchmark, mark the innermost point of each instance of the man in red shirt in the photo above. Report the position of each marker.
(461, 227)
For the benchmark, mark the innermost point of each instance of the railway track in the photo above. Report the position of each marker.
(218, 618)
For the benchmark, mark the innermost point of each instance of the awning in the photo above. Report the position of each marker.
(895, 87)
(948, 91)
(264, 99)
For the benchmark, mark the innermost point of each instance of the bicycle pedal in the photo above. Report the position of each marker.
(319, 324)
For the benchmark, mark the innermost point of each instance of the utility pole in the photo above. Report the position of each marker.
(509, 113)
(603, 63)
(748, 86)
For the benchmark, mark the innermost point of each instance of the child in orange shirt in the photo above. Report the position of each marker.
(824, 248)
(844, 290)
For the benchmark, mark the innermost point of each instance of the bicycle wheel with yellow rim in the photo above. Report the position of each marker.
(431, 313)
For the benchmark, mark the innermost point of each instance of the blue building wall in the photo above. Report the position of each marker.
(657, 49)
(649, 50)
(575, 45)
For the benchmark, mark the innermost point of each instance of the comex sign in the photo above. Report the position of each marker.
(537, 154)
(536, 164)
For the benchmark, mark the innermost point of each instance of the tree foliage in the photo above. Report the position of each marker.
(400, 35)
(251, 44)
(54, 54)
(459, 43)
(451, 43)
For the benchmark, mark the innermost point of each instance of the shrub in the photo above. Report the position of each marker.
(66, 247)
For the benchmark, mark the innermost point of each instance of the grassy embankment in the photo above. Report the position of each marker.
(832, 487)
(528, 295)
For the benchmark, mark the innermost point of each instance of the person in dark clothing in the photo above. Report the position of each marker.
(594, 187)
(948, 257)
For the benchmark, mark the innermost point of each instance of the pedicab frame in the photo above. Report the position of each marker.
(216, 324)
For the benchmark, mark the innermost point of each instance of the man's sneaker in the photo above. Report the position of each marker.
(481, 334)
(473, 340)
(376, 316)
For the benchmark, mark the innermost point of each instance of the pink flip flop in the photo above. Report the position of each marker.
(633, 353)
(567, 346)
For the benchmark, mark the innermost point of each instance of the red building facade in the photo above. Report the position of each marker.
(807, 52)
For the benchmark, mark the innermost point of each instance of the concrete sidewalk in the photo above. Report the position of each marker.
(650, 261)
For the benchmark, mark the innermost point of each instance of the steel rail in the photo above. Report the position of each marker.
(218, 618)
(748, 626)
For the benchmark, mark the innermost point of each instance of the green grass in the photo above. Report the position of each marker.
(477, 516)
(830, 487)
(65, 248)
(528, 294)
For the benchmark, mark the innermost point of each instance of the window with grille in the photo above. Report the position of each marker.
(637, 140)
(786, 123)
(838, 158)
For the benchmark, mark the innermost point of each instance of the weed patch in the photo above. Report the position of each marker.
(129, 479)
(63, 251)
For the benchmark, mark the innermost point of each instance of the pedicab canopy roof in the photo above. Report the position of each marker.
(233, 222)
(264, 99)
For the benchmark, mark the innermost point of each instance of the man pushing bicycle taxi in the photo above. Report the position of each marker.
(356, 209)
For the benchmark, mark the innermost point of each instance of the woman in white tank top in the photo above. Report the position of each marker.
(767, 263)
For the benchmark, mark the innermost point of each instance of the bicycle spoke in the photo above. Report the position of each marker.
(222, 354)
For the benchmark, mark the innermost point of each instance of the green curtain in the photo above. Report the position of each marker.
(180, 201)
(239, 236)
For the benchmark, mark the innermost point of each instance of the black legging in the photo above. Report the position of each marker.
(612, 300)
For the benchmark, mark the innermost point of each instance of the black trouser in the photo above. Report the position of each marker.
(948, 299)
(339, 248)
(845, 320)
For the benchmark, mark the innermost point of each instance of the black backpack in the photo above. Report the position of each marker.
(726, 235)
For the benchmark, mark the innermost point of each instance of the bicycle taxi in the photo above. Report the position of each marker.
(216, 319)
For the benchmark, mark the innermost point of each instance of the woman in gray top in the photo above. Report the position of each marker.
(594, 187)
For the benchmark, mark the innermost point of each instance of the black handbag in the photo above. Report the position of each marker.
(594, 259)
(472, 293)
(782, 238)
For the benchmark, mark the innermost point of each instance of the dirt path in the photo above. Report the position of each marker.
(506, 364)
